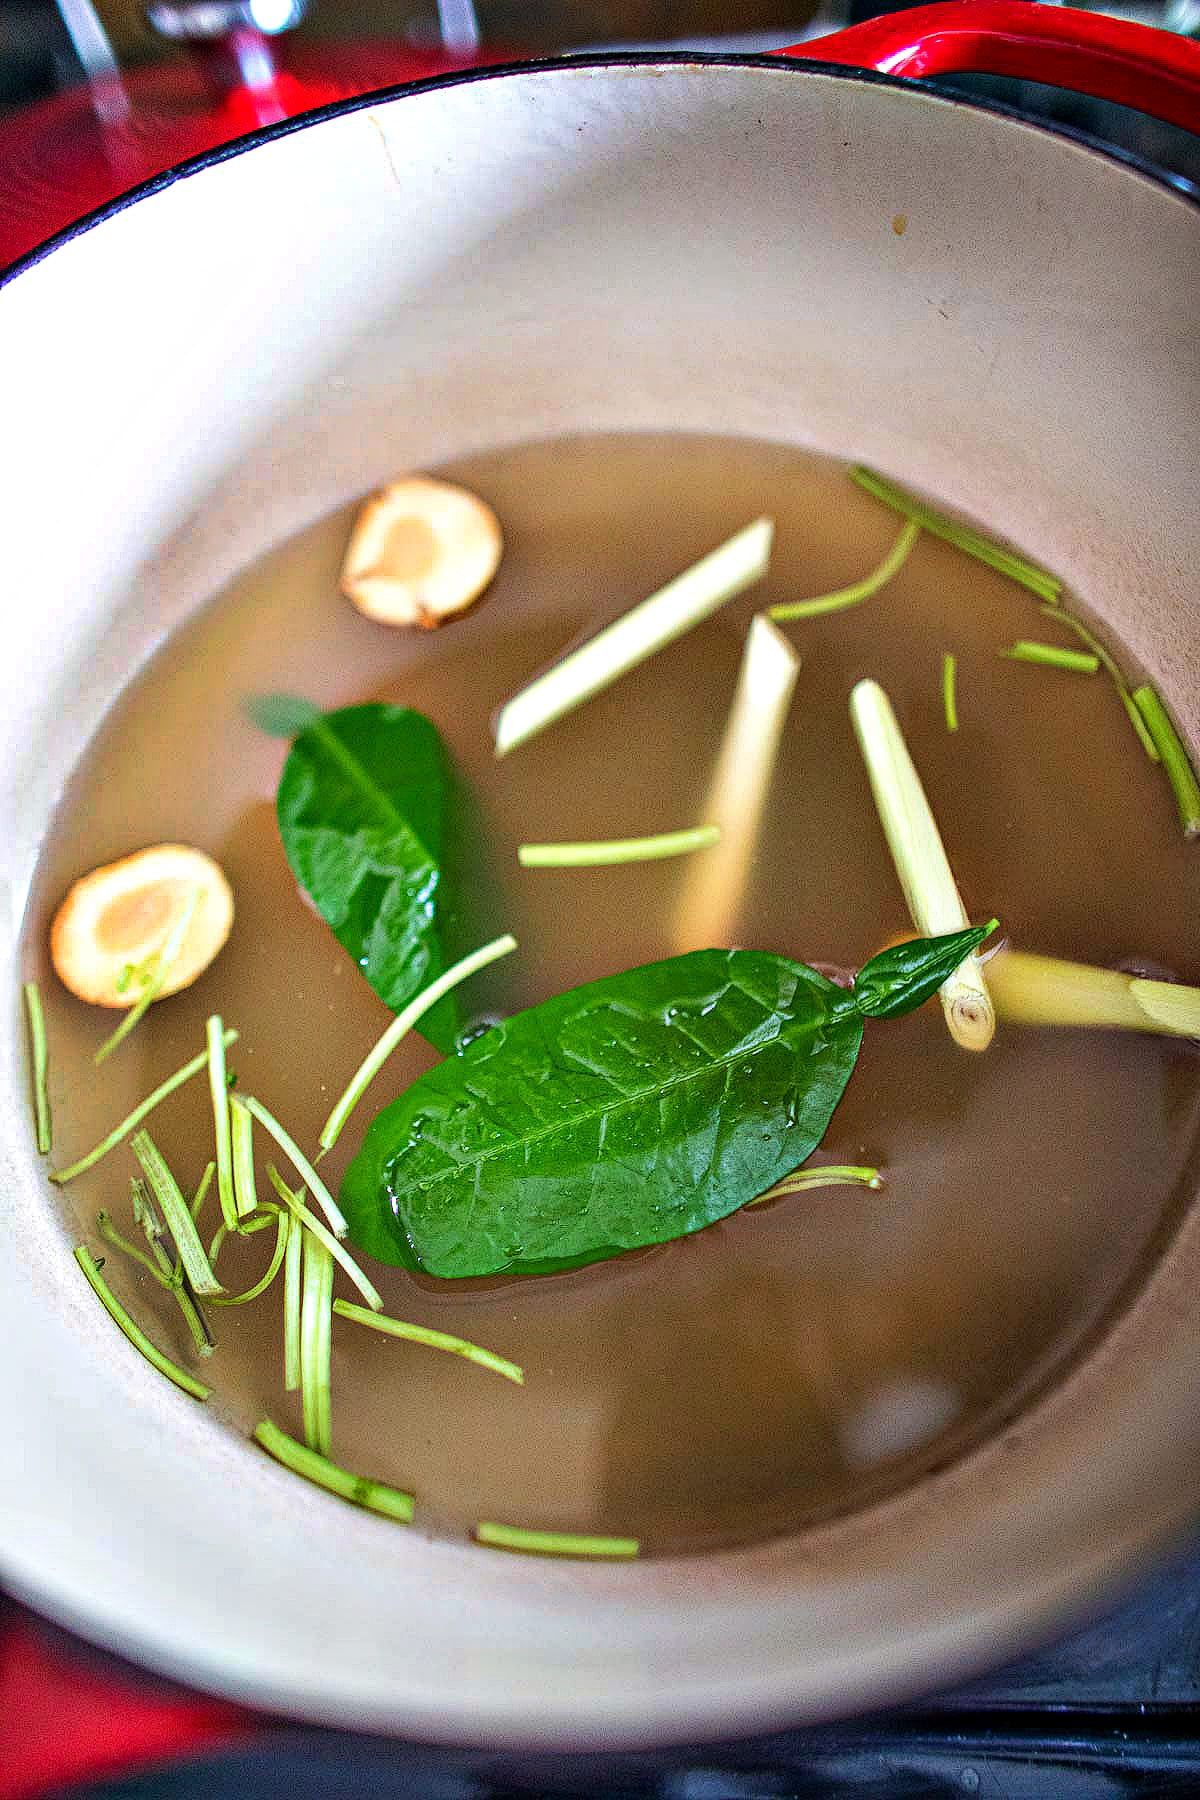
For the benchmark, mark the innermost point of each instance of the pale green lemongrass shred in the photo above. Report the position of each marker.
(283, 1230)
(963, 537)
(291, 1305)
(1053, 656)
(615, 851)
(120, 1132)
(301, 1164)
(169, 1275)
(218, 1087)
(266, 1216)
(316, 1317)
(832, 1175)
(178, 1219)
(637, 635)
(553, 1543)
(152, 983)
(134, 1332)
(201, 1194)
(950, 689)
(404, 1021)
(1175, 760)
(436, 1340)
(314, 1226)
(38, 1060)
(1063, 617)
(865, 589)
(360, 1490)
(241, 1134)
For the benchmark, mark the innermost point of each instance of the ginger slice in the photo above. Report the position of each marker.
(420, 552)
(115, 922)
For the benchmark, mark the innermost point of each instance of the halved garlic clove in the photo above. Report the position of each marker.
(114, 921)
(420, 552)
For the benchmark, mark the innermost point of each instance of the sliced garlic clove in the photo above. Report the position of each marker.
(114, 921)
(420, 552)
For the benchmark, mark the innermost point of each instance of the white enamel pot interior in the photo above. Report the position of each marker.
(661, 244)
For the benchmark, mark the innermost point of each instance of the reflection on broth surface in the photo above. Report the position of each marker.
(806, 1355)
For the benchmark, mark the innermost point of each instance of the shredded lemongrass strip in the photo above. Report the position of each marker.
(170, 1273)
(111, 1235)
(300, 1163)
(404, 1021)
(120, 1132)
(199, 1196)
(613, 851)
(963, 537)
(913, 838)
(243, 1228)
(179, 1221)
(152, 985)
(1052, 656)
(241, 1135)
(38, 1060)
(553, 1543)
(1060, 614)
(218, 1085)
(283, 1231)
(376, 1496)
(637, 635)
(950, 689)
(323, 1235)
(134, 1332)
(1044, 990)
(713, 886)
(833, 1175)
(1175, 761)
(316, 1318)
(865, 589)
(291, 1305)
(436, 1340)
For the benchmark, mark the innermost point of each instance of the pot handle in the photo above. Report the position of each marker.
(1110, 59)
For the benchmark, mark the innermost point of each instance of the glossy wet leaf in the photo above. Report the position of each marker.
(362, 808)
(627, 1112)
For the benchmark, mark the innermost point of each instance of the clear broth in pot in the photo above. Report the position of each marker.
(798, 1359)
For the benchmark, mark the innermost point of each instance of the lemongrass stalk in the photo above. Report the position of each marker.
(1174, 758)
(963, 537)
(134, 1332)
(152, 985)
(300, 1163)
(1044, 990)
(1059, 613)
(929, 888)
(615, 851)
(36, 1020)
(435, 1340)
(553, 1543)
(714, 885)
(314, 1226)
(120, 1132)
(637, 635)
(171, 1273)
(950, 689)
(1053, 656)
(404, 1021)
(179, 1221)
(218, 1086)
(241, 1144)
(283, 1229)
(376, 1496)
(832, 1175)
(316, 1317)
(291, 1305)
(865, 589)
